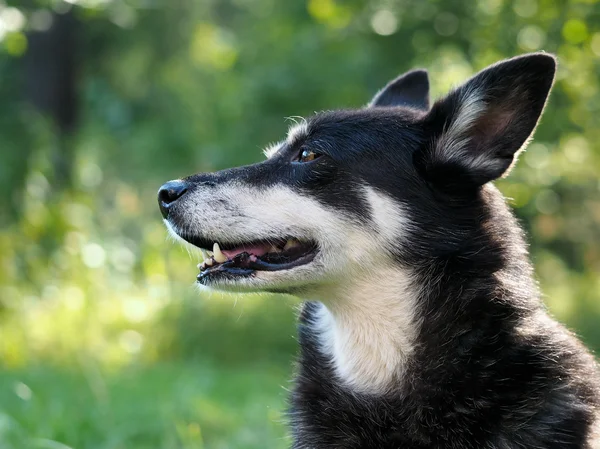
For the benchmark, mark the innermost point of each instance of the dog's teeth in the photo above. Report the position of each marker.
(208, 262)
(210, 253)
(274, 249)
(291, 243)
(219, 256)
(200, 265)
(204, 254)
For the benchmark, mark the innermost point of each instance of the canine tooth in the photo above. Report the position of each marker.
(291, 243)
(219, 256)
(208, 262)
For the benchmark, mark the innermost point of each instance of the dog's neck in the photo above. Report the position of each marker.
(367, 328)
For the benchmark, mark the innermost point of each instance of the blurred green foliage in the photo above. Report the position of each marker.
(105, 343)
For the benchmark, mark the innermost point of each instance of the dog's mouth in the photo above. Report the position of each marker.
(247, 258)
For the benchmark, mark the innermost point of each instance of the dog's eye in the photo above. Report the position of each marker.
(308, 155)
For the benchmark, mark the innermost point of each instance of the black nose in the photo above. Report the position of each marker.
(169, 193)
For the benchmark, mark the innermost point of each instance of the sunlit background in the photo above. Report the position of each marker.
(104, 341)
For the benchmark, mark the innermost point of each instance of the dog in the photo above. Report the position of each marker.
(423, 326)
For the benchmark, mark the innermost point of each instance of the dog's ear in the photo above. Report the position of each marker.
(475, 132)
(410, 89)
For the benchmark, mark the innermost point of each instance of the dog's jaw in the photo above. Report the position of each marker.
(236, 212)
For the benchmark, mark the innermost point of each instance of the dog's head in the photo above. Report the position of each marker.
(348, 191)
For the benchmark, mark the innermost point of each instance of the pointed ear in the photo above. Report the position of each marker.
(475, 132)
(410, 89)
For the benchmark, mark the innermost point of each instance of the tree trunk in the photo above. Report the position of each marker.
(50, 85)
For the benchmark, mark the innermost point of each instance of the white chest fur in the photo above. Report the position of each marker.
(368, 330)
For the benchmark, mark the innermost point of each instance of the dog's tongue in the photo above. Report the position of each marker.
(257, 250)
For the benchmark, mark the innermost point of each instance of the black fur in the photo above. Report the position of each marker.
(410, 89)
(474, 382)
(490, 369)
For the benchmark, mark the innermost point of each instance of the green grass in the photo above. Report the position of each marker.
(178, 405)
(152, 366)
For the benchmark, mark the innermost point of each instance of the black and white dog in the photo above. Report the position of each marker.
(423, 326)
